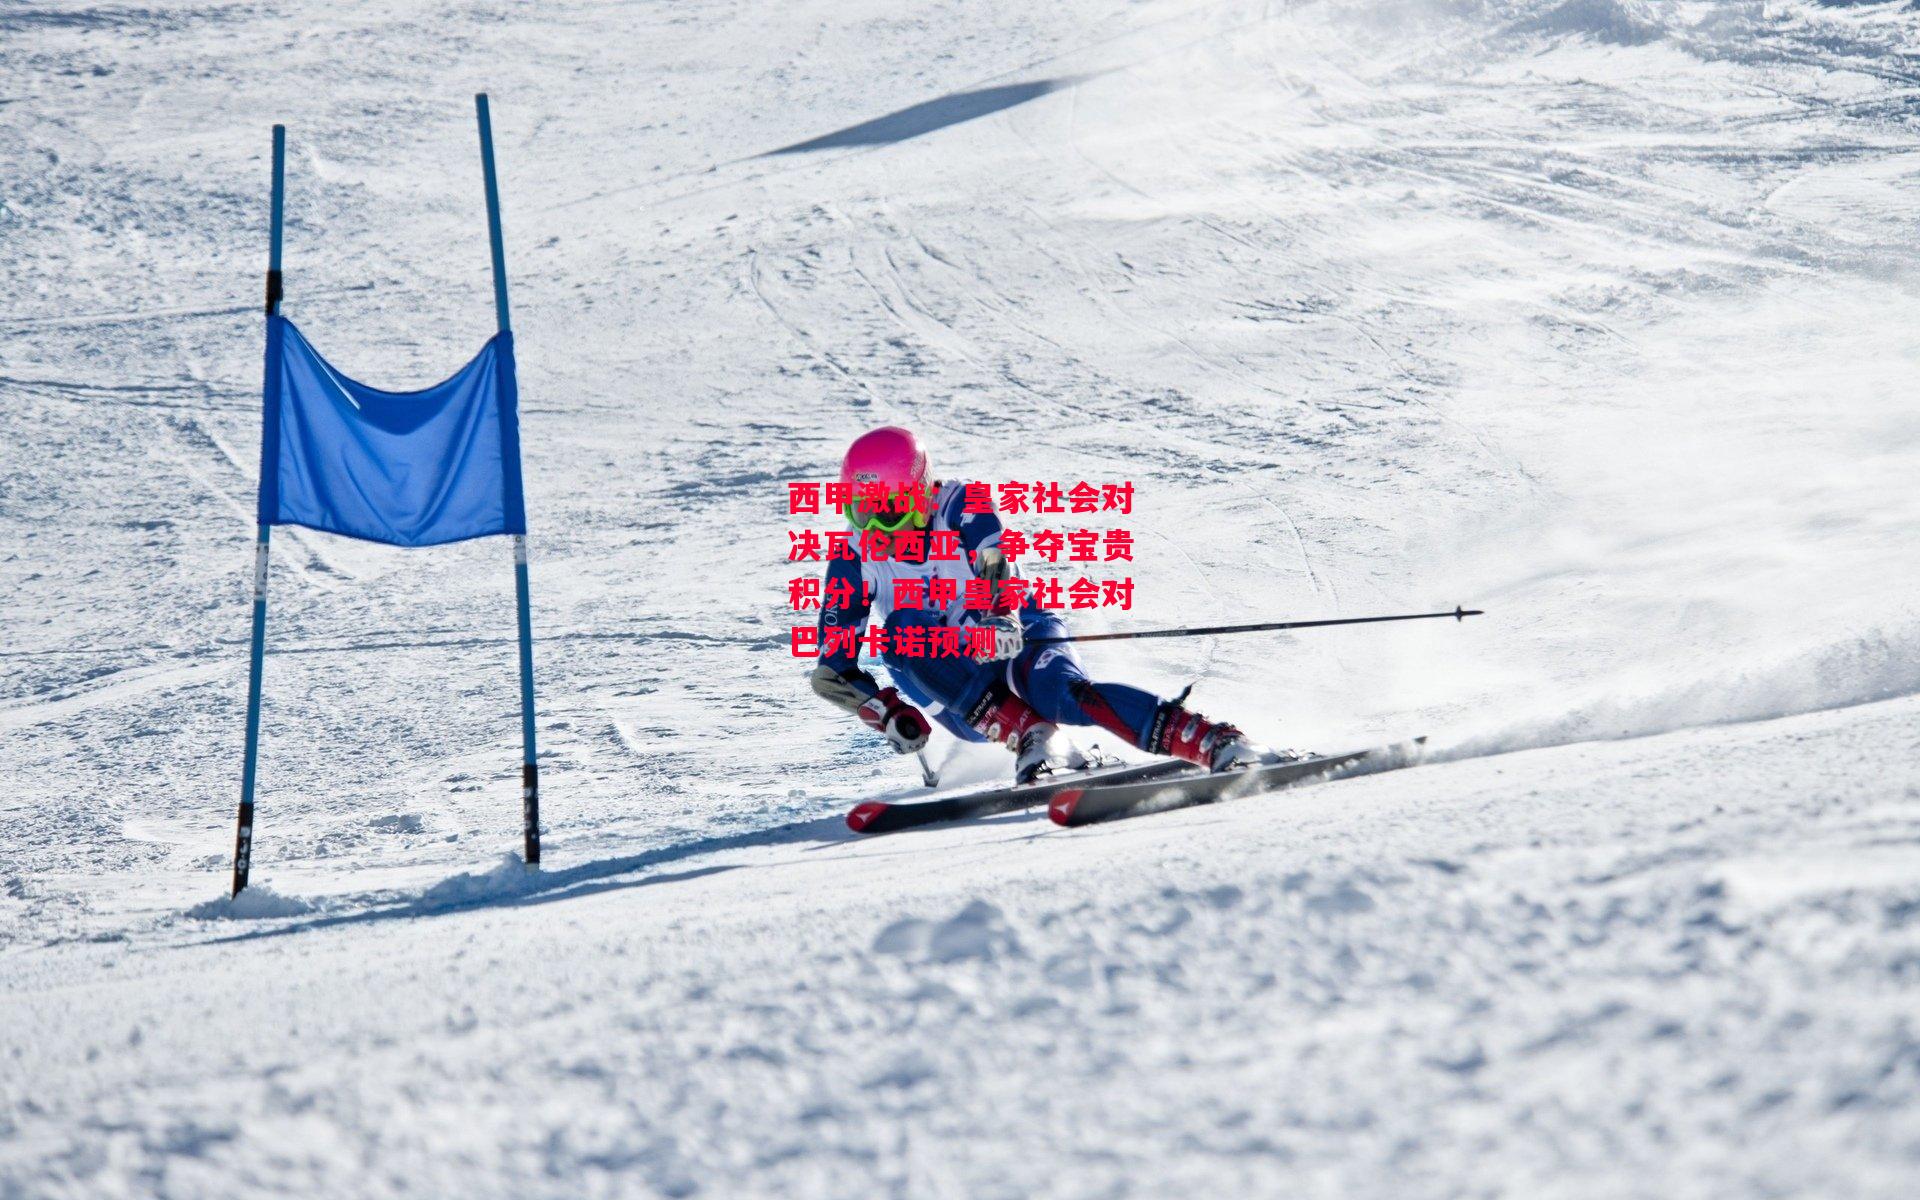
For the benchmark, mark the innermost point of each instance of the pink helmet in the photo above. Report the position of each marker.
(889, 456)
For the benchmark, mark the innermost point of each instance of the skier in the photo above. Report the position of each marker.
(1010, 692)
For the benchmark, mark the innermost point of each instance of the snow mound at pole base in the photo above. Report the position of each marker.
(510, 877)
(257, 902)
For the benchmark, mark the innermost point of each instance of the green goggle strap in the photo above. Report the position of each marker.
(882, 522)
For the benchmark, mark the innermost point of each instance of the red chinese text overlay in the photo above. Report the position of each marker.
(879, 528)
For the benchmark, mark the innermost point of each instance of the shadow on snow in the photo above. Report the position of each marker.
(930, 115)
(513, 885)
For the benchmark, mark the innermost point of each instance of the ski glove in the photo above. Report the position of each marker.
(1007, 638)
(887, 713)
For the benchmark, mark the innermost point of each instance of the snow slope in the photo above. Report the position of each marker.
(1599, 315)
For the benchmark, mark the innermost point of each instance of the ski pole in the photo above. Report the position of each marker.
(1458, 614)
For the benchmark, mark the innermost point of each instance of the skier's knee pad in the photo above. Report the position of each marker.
(1045, 676)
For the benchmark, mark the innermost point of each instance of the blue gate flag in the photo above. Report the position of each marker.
(405, 468)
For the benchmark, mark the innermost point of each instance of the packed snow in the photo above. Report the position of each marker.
(1600, 315)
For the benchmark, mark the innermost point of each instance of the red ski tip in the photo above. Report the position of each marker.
(1061, 810)
(863, 815)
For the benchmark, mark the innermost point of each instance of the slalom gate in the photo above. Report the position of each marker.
(416, 468)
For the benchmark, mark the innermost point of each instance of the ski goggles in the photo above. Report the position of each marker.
(879, 520)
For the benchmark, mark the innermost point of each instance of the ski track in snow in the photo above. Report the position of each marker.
(1596, 314)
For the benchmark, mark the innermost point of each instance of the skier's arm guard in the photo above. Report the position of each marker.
(843, 689)
(992, 566)
(879, 709)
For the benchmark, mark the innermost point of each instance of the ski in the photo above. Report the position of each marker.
(1091, 802)
(884, 816)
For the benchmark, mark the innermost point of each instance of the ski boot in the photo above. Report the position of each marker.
(1215, 745)
(1036, 743)
(1042, 750)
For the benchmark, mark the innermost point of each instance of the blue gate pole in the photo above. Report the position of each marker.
(530, 767)
(243, 836)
